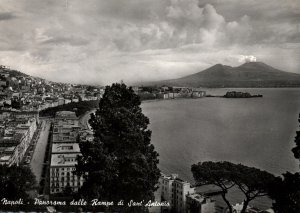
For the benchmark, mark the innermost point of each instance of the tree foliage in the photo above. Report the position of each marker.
(286, 193)
(121, 163)
(250, 181)
(296, 149)
(15, 182)
(286, 190)
(81, 106)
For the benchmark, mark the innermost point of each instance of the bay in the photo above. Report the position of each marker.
(256, 132)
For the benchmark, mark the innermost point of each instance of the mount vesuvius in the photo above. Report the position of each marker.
(250, 74)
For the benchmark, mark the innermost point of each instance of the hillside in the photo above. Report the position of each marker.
(250, 74)
(12, 73)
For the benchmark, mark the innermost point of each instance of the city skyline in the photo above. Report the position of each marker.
(109, 41)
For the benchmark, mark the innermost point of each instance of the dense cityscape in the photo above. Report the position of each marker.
(49, 146)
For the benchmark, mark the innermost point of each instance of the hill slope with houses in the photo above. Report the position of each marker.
(19, 91)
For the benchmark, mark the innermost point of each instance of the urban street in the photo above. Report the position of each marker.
(39, 152)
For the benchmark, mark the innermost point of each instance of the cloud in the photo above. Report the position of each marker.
(7, 16)
(247, 58)
(102, 41)
(211, 19)
(71, 40)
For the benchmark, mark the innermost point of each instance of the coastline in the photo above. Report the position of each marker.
(186, 132)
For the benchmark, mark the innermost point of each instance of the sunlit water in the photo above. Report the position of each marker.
(257, 132)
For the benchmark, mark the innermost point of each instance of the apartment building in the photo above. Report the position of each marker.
(196, 203)
(65, 128)
(64, 153)
(66, 118)
(174, 191)
(16, 136)
(26, 115)
(63, 161)
(9, 155)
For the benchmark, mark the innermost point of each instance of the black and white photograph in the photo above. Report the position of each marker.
(150, 106)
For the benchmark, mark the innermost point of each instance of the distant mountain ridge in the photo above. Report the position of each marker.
(250, 74)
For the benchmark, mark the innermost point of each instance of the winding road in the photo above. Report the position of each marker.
(84, 119)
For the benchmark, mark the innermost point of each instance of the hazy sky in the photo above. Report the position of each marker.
(104, 41)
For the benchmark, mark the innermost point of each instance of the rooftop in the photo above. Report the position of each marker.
(173, 177)
(66, 126)
(64, 114)
(65, 148)
(64, 159)
(13, 140)
(4, 157)
(199, 198)
(9, 149)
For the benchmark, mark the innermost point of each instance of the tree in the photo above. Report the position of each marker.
(296, 149)
(250, 181)
(286, 193)
(121, 163)
(286, 189)
(15, 182)
(67, 191)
